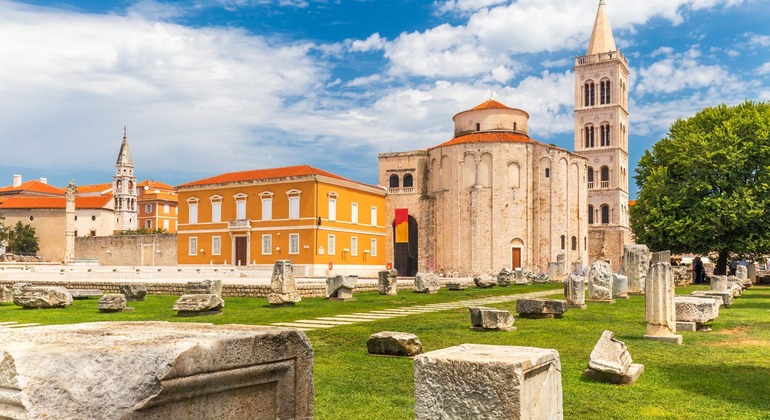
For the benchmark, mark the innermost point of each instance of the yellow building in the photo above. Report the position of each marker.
(157, 206)
(312, 217)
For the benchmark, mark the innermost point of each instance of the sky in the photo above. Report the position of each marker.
(205, 87)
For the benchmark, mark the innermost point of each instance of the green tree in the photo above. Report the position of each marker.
(3, 230)
(22, 239)
(706, 186)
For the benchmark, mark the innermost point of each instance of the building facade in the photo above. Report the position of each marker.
(157, 206)
(489, 198)
(314, 218)
(601, 136)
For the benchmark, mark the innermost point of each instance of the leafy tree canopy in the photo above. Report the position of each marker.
(706, 186)
(22, 239)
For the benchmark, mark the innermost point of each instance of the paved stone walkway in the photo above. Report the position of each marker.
(11, 324)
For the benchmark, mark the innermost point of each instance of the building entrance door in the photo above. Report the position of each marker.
(405, 254)
(515, 258)
(241, 256)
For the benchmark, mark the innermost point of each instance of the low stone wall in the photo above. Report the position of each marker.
(159, 249)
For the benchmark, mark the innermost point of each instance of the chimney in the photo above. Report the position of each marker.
(16, 181)
(44, 180)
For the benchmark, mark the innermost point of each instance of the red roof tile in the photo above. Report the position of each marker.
(94, 188)
(53, 202)
(490, 104)
(263, 174)
(155, 184)
(33, 187)
(488, 137)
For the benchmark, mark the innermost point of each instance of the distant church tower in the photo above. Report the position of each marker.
(124, 189)
(601, 135)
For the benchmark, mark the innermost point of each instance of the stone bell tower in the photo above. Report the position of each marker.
(124, 189)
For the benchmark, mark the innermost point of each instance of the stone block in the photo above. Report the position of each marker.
(553, 271)
(682, 276)
(718, 283)
(611, 362)
(84, 293)
(475, 381)
(455, 286)
(724, 297)
(112, 302)
(340, 287)
(619, 286)
(541, 308)
(519, 277)
(504, 278)
(283, 287)
(134, 291)
(484, 281)
(695, 309)
(6, 295)
(483, 319)
(426, 283)
(192, 305)
(156, 370)
(391, 343)
(41, 297)
(636, 263)
(659, 309)
(387, 282)
(600, 282)
(575, 291)
(204, 287)
(539, 278)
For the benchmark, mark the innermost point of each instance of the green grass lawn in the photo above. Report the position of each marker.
(721, 374)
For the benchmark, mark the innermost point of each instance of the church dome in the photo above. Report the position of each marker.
(490, 121)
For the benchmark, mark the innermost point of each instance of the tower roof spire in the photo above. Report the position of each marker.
(601, 37)
(124, 156)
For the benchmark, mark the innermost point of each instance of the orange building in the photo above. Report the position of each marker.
(157, 206)
(312, 217)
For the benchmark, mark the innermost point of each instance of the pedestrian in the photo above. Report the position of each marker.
(700, 272)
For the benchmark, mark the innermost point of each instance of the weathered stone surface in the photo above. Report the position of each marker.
(204, 287)
(455, 286)
(199, 303)
(724, 297)
(575, 291)
(84, 293)
(391, 343)
(484, 281)
(426, 283)
(340, 287)
(682, 276)
(659, 309)
(741, 272)
(475, 381)
(283, 287)
(561, 260)
(6, 295)
(611, 362)
(134, 291)
(600, 281)
(42, 297)
(541, 308)
(619, 286)
(519, 277)
(718, 283)
(695, 309)
(504, 278)
(156, 370)
(491, 319)
(387, 282)
(539, 278)
(18, 286)
(751, 274)
(735, 288)
(112, 302)
(553, 271)
(636, 263)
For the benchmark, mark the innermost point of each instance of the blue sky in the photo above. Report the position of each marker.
(212, 86)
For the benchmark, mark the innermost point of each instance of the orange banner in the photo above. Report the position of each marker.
(402, 225)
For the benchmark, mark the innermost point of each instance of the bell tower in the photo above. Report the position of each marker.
(124, 189)
(601, 136)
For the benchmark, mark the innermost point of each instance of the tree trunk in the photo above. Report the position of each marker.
(721, 268)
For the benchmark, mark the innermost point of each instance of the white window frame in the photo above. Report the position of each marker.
(354, 246)
(148, 224)
(165, 209)
(240, 206)
(373, 247)
(354, 213)
(373, 215)
(216, 245)
(331, 244)
(192, 213)
(216, 209)
(165, 224)
(332, 206)
(192, 245)
(267, 244)
(294, 204)
(148, 208)
(294, 243)
(267, 205)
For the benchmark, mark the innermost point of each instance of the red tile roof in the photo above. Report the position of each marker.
(263, 174)
(490, 104)
(488, 137)
(53, 202)
(94, 188)
(154, 184)
(33, 187)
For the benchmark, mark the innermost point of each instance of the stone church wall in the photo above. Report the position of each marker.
(138, 250)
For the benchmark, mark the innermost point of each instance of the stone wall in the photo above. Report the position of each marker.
(160, 249)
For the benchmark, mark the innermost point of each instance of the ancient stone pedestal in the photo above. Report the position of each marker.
(455, 286)
(519, 278)
(387, 282)
(619, 286)
(539, 278)
(199, 305)
(134, 291)
(204, 287)
(156, 370)
(541, 308)
(659, 309)
(475, 381)
(112, 302)
(724, 297)
(693, 312)
(611, 362)
(504, 278)
(600, 283)
(718, 283)
(751, 274)
(42, 297)
(391, 343)
(561, 261)
(426, 283)
(484, 281)
(575, 292)
(82, 294)
(486, 319)
(283, 287)
(6, 295)
(636, 262)
(553, 271)
(340, 287)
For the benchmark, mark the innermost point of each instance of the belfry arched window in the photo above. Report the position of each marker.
(590, 93)
(604, 92)
(590, 177)
(589, 136)
(393, 181)
(605, 177)
(605, 134)
(605, 214)
(408, 181)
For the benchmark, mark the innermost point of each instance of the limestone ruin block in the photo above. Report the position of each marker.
(198, 304)
(42, 297)
(659, 309)
(504, 278)
(561, 260)
(636, 262)
(553, 271)
(541, 308)
(18, 286)
(575, 291)
(340, 287)
(718, 283)
(426, 283)
(539, 278)
(611, 362)
(134, 291)
(734, 287)
(391, 343)
(387, 282)
(491, 319)
(283, 287)
(682, 276)
(742, 273)
(6, 295)
(724, 297)
(156, 370)
(695, 309)
(455, 286)
(600, 282)
(619, 286)
(476, 381)
(112, 302)
(519, 277)
(751, 274)
(204, 287)
(84, 293)
(484, 281)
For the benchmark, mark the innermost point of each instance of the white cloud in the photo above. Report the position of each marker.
(374, 42)
(464, 6)
(761, 41)
(764, 69)
(680, 72)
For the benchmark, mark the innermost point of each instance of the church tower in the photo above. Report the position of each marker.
(124, 189)
(601, 136)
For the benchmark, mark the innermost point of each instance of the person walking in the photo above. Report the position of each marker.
(700, 272)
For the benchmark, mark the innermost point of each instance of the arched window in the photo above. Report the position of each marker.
(605, 214)
(605, 134)
(408, 181)
(478, 127)
(589, 136)
(514, 126)
(590, 94)
(604, 94)
(563, 242)
(574, 243)
(590, 177)
(394, 182)
(547, 172)
(605, 177)
(590, 214)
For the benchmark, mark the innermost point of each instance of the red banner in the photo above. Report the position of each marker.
(402, 225)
